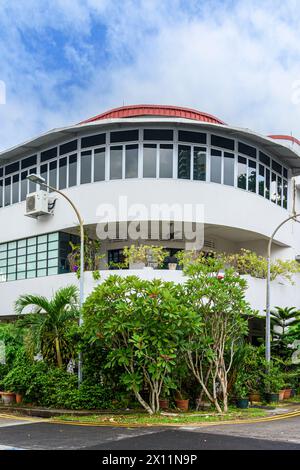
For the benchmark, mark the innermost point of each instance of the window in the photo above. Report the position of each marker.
(218, 141)
(15, 188)
(62, 184)
(124, 136)
(68, 147)
(12, 168)
(252, 176)
(274, 191)
(99, 164)
(72, 170)
(34, 257)
(93, 140)
(158, 134)
(261, 180)
(116, 156)
(28, 162)
(131, 161)
(53, 174)
(166, 161)
(264, 159)
(193, 137)
(48, 154)
(216, 166)
(228, 168)
(246, 150)
(285, 194)
(149, 160)
(86, 167)
(199, 163)
(242, 173)
(184, 162)
(7, 191)
(1, 193)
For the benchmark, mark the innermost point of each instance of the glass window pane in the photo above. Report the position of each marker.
(21, 268)
(86, 167)
(12, 245)
(53, 174)
(274, 191)
(124, 136)
(166, 161)
(247, 149)
(42, 239)
(158, 134)
(251, 176)
(7, 190)
(242, 173)
(184, 162)
(11, 277)
(31, 257)
(41, 272)
(53, 254)
(52, 263)
(31, 249)
(1, 193)
(93, 140)
(41, 256)
(21, 251)
(193, 137)
(21, 259)
(261, 180)
(30, 266)
(21, 275)
(285, 193)
(15, 189)
(199, 163)
(279, 199)
(229, 168)
(31, 274)
(44, 172)
(31, 241)
(42, 264)
(223, 142)
(53, 245)
(11, 269)
(99, 165)
(3, 247)
(12, 253)
(72, 170)
(32, 186)
(52, 271)
(62, 183)
(131, 161)
(149, 161)
(52, 237)
(22, 244)
(11, 261)
(215, 166)
(24, 184)
(115, 163)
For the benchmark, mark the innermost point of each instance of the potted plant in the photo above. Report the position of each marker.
(141, 256)
(241, 393)
(273, 382)
(8, 397)
(181, 401)
(172, 262)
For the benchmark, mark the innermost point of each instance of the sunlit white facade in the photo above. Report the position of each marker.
(147, 155)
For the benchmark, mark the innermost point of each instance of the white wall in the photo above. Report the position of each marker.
(282, 293)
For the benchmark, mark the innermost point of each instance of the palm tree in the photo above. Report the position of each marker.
(282, 320)
(49, 323)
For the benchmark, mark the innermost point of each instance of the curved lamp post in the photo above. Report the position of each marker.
(37, 179)
(268, 308)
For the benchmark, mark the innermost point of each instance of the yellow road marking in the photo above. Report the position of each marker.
(135, 425)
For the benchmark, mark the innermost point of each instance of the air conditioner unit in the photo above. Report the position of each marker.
(37, 204)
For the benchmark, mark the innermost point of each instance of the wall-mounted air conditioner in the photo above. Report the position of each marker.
(37, 204)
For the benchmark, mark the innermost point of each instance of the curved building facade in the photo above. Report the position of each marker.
(146, 156)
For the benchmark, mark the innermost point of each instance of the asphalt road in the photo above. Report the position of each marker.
(275, 435)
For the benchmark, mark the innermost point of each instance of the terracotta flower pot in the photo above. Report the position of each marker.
(254, 397)
(172, 266)
(19, 398)
(281, 395)
(8, 397)
(182, 405)
(164, 404)
(242, 403)
(287, 393)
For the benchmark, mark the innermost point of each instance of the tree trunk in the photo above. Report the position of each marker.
(58, 353)
(143, 403)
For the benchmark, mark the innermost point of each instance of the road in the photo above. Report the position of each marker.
(41, 435)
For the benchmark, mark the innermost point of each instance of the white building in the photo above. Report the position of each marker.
(148, 155)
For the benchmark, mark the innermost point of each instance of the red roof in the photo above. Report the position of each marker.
(285, 137)
(155, 110)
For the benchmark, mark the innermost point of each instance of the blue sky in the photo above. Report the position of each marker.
(66, 60)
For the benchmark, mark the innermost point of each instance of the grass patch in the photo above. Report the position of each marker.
(177, 418)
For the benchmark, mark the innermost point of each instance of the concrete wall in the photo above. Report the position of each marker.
(282, 293)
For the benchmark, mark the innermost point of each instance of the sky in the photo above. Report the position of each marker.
(62, 61)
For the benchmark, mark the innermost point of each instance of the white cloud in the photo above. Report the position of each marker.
(237, 60)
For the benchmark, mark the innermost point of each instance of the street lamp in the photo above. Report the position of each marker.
(37, 179)
(268, 307)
